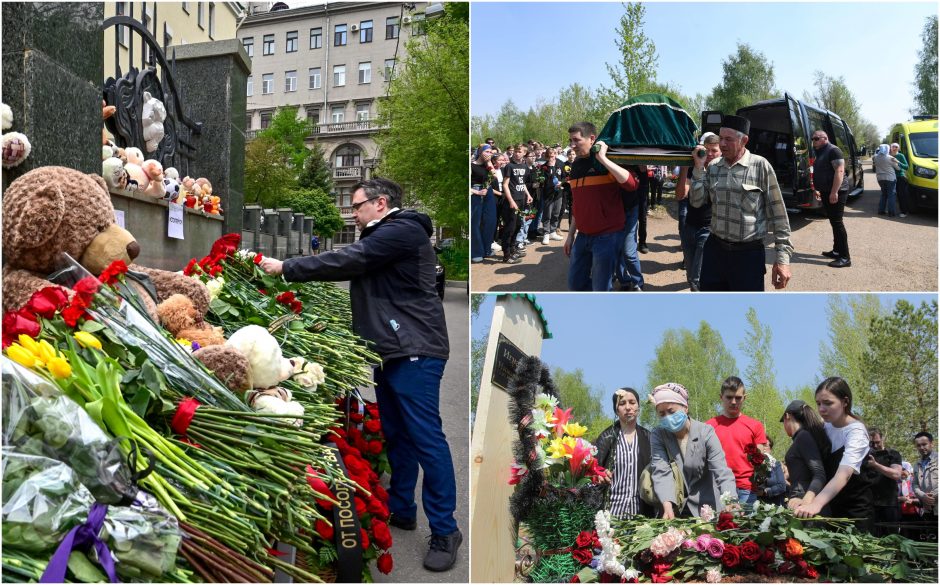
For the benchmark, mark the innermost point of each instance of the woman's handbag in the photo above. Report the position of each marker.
(648, 495)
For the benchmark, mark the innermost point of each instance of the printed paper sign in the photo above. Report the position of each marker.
(175, 221)
(119, 218)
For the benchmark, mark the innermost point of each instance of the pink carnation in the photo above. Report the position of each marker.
(713, 576)
(707, 513)
(716, 548)
(667, 542)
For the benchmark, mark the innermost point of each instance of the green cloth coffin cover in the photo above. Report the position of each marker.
(650, 120)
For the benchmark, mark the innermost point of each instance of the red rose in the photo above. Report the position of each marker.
(356, 418)
(750, 449)
(661, 567)
(258, 258)
(286, 297)
(732, 556)
(296, 306)
(319, 486)
(750, 551)
(384, 563)
(811, 573)
(380, 493)
(786, 568)
(87, 286)
(758, 459)
(660, 578)
(373, 409)
(324, 530)
(339, 431)
(361, 444)
(584, 539)
(725, 521)
(381, 535)
(20, 322)
(360, 506)
(582, 555)
(768, 555)
(377, 508)
(365, 539)
(763, 569)
(373, 426)
(375, 447)
(47, 301)
(226, 245)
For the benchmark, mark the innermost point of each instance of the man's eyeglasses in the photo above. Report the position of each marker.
(815, 138)
(356, 206)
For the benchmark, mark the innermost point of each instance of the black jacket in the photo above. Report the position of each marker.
(392, 277)
(606, 444)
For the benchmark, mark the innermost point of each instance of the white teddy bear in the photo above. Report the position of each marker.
(152, 118)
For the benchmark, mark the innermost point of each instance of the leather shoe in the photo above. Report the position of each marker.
(840, 263)
(831, 254)
(643, 249)
(442, 552)
(403, 523)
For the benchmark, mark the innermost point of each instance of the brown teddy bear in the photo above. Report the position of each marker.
(179, 316)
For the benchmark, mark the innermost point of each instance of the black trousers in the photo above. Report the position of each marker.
(904, 202)
(840, 239)
(644, 208)
(727, 267)
(656, 192)
(507, 235)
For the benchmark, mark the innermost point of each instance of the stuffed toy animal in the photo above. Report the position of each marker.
(152, 117)
(14, 147)
(114, 174)
(268, 369)
(6, 117)
(179, 316)
(172, 173)
(154, 172)
(106, 112)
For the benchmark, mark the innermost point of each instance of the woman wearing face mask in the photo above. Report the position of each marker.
(623, 449)
(848, 492)
(695, 447)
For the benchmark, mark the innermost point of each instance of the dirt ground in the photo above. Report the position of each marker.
(888, 254)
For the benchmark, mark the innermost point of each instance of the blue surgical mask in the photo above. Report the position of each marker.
(674, 422)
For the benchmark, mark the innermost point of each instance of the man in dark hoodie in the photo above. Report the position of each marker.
(391, 270)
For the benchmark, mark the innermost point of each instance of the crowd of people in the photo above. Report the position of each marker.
(836, 466)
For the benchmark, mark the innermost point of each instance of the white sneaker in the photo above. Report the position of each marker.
(545, 240)
(496, 248)
(555, 237)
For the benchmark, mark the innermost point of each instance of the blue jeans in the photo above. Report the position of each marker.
(887, 196)
(693, 246)
(523, 233)
(476, 227)
(628, 265)
(488, 223)
(746, 498)
(683, 212)
(408, 392)
(593, 261)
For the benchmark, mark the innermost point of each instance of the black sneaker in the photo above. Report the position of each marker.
(401, 522)
(831, 254)
(841, 263)
(442, 551)
(643, 249)
(512, 259)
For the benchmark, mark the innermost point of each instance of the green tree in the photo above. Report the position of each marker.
(316, 173)
(575, 393)
(699, 361)
(925, 71)
(291, 134)
(317, 204)
(831, 93)
(902, 364)
(477, 353)
(427, 114)
(850, 319)
(268, 172)
(748, 78)
(763, 399)
(637, 66)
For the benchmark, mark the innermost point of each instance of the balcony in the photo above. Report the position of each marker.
(347, 173)
(356, 127)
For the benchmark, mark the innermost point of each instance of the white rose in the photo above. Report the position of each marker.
(215, 287)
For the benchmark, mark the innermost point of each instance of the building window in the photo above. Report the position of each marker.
(365, 73)
(315, 78)
(167, 35)
(348, 156)
(347, 235)
(120, 9)
(291, 42)
(339, 35)
(249, 44)
(211, 20)
(365, 31)
(337, 114)
(313, 117)
(362, 112)
(267, 84)
(185, 6)
(265, 120)
(339, 75)
(316, 38)
(200, 19)
(251, 86)
(268, 47)
(417, 24)
(391, 27)
(290, 80)
(389, 69)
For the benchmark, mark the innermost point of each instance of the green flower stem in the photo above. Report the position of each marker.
(299, 574)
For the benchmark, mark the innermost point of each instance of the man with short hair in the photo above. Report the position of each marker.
(552, 196)
(828, 175)
(736, 431)
(883, 469)
(925, 476)
(395, 307)
(597, 218)
(746, 204)
(515, 198)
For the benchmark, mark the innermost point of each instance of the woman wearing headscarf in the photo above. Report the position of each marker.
(907, 499)
(623, 449)
(885, 167)
(695, 447)
(805, 457)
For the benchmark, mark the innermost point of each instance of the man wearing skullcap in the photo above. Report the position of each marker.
(746, 204)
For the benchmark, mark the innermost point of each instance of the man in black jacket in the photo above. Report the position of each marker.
(391, 270)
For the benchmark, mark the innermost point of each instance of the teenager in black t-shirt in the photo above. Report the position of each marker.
(516, 197)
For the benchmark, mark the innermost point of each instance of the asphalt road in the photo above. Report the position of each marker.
(410, 547)
(888, 254)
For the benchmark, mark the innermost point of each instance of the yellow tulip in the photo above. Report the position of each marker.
(29, 343)
(23, 356)
(87, 339)
(573, 429)
(59, 368)
(46, 351)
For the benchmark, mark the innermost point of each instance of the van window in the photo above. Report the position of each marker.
(840, 139)
(799, 135)
(924, 144)
(817, 120)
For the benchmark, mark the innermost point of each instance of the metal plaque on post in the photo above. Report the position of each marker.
(508, 357)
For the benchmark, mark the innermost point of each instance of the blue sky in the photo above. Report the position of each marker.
(612, 337)
(874, 45)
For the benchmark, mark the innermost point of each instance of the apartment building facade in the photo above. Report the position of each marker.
(333, 62)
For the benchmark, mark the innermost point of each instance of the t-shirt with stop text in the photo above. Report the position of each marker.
(518, 174)
(735, 434)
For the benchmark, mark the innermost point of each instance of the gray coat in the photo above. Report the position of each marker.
(704, 468)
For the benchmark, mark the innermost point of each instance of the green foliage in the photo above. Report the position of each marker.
(699, 361)
(575, 393)
(456, 260)
(291, 134)
(849, 321)
(317, 204)
(763, 399)
(427, 114)
(834, 95)
(268, 174)
(636, 71)
(316, 173)
(748, 78)
(902, 366)
(925, 71)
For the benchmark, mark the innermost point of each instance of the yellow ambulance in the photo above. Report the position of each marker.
(918, 141)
